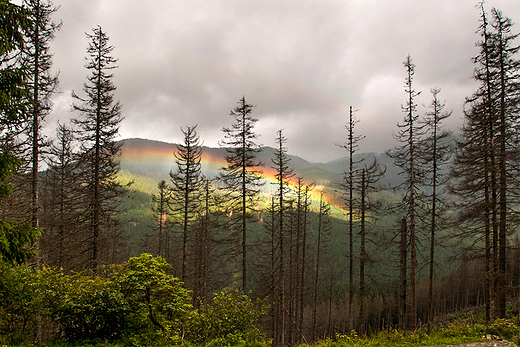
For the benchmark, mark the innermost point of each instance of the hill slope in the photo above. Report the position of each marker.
(153, 161)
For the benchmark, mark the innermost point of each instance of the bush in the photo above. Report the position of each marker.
(133, 304)
(507, 329)
(154, 296)
(92, 308)
(136, 298)
(18, 303)
(230, 319)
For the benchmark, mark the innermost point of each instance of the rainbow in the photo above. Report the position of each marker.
(159, 159)
(162, 158)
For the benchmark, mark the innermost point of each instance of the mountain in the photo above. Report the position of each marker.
(147, 162)
(340, 165)
(152, 161)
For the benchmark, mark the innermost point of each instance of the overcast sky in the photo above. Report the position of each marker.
(302, 63)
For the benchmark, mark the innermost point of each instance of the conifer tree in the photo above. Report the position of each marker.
(268, 272)
(323, 231)
(160, 209)
(14, 108)
(368, 210)
(62, 203)
(205, 244)
(435, 153)
(406, 158)
(241, 177)
(507, 67)
(474, 165)
(187, 184)
(98, 127)
(283, 174)
(302, 222)
(38, 59)
(486, 157)
(348, 183)
(15, 238)
(305, 206)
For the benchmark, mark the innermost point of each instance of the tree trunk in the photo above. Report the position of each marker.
(403, 285)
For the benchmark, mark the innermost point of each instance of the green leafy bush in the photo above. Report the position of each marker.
(507, 329)
(154, 296)
(135, 304)
(135, 298)
(92, 308)
(231, 319)
(18, 304)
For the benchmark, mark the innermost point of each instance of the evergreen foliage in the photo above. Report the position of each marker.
(97, 131)
(15, 237)
(241, 178)
(187, 188)
(37, 59)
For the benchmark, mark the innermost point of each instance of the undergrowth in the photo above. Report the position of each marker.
(454, 333)
(457, 332)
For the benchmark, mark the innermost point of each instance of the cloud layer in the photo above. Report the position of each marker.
(302, 63)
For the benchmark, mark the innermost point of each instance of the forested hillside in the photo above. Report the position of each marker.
(142, 242)
(146, 162)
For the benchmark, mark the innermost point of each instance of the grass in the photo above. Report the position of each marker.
(456, 333)
(394, 338)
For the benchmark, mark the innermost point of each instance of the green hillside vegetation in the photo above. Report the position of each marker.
(382, 271)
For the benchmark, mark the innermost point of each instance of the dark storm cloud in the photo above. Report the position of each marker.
(303, 63)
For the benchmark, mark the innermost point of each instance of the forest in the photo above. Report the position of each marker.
(260, 247)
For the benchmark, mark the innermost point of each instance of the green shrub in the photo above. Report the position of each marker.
(133, 304)
(230, 318)
(18, 303)
(507, 329)
(92, 308)
(154, 296)
(136, 298)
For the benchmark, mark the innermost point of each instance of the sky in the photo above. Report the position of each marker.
(303, 64)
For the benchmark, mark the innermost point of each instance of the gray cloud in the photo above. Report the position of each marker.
(302, 63)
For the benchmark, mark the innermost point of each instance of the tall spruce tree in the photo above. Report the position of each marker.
(187, 184)
(366, 184)
(205, 245)
(241, 177)
(61, 203)
(434, 155)
(98, 128)
(305, 206)
(15, 238)
(161, 199)
(406, 159)
(487, 153)
(283, 174)
(14, 93)
(323, 236)
(302, 223)
(507, 67)
(474, 163)
(351, 145)
(38, 59)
